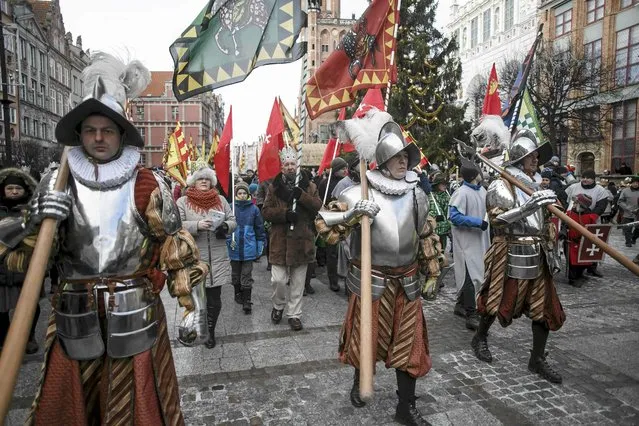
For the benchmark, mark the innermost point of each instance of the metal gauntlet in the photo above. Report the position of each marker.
(192, 329)
(49, 204)
(535, 202)
(351, 216)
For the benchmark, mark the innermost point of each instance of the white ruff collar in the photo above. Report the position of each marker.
(392, 186)
(111, 174)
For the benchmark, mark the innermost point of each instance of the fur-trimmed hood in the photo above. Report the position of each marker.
(203, 173)
(26, 177)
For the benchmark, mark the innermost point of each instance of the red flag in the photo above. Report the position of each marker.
(492, 103)
(269, 165)
(222, 159)
(361, 61)
(333, 148)
(372, 98)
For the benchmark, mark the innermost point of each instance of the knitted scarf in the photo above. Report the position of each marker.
(203, 201)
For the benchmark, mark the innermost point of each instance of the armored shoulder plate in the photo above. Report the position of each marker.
(421, 200)
(170, 214)
(351, 195)
(499, 195)
(47, 183)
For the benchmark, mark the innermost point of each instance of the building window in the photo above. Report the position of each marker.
(628, 3)
(75, 85)
(143, 158)
(486, 26)
(32, 56)
(52, 68)
(592, 54)
(174, 113)
(35, 128)
(58, 71)
(25, 125)
(23, 87)
(590, 122)
(563, 23)
(23, 49)
(43, 62)
(66, 74)
(139, 111)
(627, 56)
(44, 131)
(464, 38)
(496, 19)
(624, 133)
(324, 48)
(473, 33)
(594, 10)
(509, 14)
(142, 131)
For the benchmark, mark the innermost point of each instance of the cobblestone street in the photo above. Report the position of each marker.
(261, 373)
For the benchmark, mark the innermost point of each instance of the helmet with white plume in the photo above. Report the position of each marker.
(391, 142)
(525, 143)
(110, 83)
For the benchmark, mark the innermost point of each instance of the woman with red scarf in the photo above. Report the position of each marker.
(209, 218)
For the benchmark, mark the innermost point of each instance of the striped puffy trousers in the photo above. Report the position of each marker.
(400, 335)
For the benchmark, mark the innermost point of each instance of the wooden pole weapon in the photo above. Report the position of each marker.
(16, 340)
(619, 257)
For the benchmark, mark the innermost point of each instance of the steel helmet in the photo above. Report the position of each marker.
(390, 142)
(525, 143)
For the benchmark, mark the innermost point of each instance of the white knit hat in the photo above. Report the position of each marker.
(203, 173)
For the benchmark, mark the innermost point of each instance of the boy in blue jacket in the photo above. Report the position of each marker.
(245, 245)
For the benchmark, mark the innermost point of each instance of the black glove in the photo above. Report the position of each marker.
(220, 231)
(484, 225)
(439, 218)
(291, 216)
(296, 193)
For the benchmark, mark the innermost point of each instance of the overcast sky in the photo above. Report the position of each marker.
(144, 30)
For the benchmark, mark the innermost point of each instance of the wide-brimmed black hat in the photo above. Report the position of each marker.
(98, 103)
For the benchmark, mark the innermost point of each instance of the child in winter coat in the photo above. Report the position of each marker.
(245, 245)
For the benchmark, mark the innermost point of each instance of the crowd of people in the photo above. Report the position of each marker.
(114, 262)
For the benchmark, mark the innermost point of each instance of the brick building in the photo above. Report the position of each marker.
(156, 112)
(607, 32)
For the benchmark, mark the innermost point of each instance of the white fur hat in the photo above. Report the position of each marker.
(203, 173)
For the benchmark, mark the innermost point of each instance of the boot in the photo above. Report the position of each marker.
(355, 398)
(480, 342)
(246, 301)
(210, 343)
(308, 289)
(472, 320)
(406, 413)
(537, 363)
(238, 296)
(540, 366)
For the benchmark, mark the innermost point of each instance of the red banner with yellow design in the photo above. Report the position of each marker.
(492, 103)
(362, 60)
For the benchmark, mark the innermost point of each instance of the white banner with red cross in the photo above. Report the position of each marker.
(589, 252)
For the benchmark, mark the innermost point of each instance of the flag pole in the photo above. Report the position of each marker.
(303, 115)
(330, 175)
(367, 359)
(16, 340)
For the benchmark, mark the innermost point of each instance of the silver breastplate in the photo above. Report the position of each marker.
(103, 233)
(394, 237)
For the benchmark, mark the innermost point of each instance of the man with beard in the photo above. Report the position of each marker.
(107, 351)
(291, 237)
(521, 260)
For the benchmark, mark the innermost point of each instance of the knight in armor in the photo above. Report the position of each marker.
(521, 260)
(404, 252)
(107, 351)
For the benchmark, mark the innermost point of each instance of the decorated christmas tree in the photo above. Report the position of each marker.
(428, 78)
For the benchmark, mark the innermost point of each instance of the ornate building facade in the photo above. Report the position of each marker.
(490, 31)
(44, 66)
(607, 32)
(156, 112)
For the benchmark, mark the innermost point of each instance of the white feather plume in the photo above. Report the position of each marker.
(363, 132)
(122, 81)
